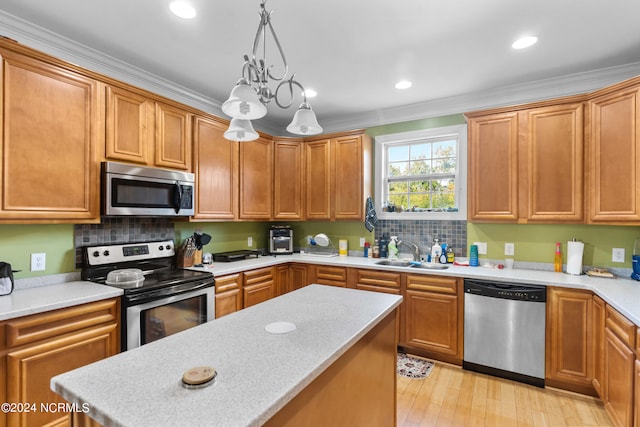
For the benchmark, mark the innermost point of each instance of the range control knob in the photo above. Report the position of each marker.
(160, 248)
(96, 254)
(168, 247)
(106, 253)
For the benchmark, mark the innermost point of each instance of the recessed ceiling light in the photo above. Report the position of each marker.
(524, 42)
(310, 93)
(403, 84)
(182, 9)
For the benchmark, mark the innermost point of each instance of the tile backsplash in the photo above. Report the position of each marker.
(422, 232)
(121, 230)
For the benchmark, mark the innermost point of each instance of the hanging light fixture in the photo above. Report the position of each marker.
(250, 96)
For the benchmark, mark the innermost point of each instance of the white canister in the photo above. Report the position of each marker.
(343, 247)
(574, 257)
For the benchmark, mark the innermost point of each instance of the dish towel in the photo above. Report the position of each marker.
(370, 219)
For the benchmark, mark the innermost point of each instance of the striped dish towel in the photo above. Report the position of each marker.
(370, 219)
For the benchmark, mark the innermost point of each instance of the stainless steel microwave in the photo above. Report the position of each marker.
(131, 190)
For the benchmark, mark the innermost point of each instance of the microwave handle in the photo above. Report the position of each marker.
(177, 197)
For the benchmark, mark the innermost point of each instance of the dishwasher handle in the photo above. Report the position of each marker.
(511, 291)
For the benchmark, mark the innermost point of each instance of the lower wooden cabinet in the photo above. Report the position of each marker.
(569, 340)
(329, 275)
(298, 276)
(374, 280)
(228, 294)
(434, 317)
(258, 286)
(598, 344)
(37, 347)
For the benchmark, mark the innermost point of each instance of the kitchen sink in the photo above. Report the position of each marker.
(392, 263)
(412, 264)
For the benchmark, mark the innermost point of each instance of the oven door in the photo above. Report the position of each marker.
(157, 319)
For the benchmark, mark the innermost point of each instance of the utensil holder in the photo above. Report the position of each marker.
(185, 260)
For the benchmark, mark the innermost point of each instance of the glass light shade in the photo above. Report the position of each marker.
(241, 130)
(243, 103)
(304, 122)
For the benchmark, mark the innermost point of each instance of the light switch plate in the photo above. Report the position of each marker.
(362, 242)
(250, 241)
(617, 255)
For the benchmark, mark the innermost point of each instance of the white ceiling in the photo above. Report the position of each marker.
(457, 52)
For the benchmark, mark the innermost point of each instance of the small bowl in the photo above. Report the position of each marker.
(125, 278)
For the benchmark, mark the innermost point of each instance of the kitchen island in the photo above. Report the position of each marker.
(336, 367)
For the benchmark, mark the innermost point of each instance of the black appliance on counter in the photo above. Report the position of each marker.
(167, 301)
(280, 240)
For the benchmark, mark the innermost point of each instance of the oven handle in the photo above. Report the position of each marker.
(177, 197)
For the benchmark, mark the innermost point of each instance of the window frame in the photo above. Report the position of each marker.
(380, 171)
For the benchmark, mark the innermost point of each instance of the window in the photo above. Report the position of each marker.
(422, 174)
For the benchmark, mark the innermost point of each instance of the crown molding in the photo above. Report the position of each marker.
(69, 50)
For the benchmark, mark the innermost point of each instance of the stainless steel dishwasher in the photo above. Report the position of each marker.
(504, 329)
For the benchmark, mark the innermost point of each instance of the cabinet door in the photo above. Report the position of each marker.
(130, 122)
(636, 406)
(298, 278)
(256, 175)
(288, 179)
(328, 275)
(259, 286)
(493, 168)
(569, 342)
(598, 345)
(551, 173)
(173, 137)
(51, 136)
(433, 316)
(228, 294)
(30, 369)
(216, 170)
(614, 179)
(318, 179)
(619, 374)
(282, 279)
(348, 178)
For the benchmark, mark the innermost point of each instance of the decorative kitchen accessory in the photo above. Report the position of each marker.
(574, 257)
(6, 278)
(370, 219)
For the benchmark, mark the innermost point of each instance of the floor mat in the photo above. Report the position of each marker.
(413, 367)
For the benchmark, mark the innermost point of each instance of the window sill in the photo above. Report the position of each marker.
(433, 216)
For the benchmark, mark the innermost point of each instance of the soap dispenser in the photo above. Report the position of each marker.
(436, 251)
(393, 247)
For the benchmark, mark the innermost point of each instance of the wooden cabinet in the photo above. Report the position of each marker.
(329, 275)
(38, 347)
(282, 279)
(569, 340)
(52, 135)
(375, 280)
(614, 154)
(216, 171)
(256, 175)
(434, 317)
(298, 276)
(636, 399)
(619, 367)
(258, 286)
(337, 176)
(526, 165)
(599, 318)
(140, 129)
(228, 294)
(288, 179)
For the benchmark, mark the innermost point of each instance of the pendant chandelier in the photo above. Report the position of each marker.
(250, 96)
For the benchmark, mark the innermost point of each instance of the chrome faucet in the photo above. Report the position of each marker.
(415, 249)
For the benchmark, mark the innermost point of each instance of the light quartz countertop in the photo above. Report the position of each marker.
(39, 299)
(257, 372)
(621, 293)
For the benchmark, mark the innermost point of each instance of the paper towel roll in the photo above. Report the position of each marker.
(574, 257)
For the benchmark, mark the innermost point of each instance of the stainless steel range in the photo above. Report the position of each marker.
(163, 301)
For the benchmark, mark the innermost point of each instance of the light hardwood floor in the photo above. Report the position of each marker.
(453, 397)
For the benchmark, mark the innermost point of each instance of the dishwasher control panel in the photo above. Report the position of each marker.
(512, 291)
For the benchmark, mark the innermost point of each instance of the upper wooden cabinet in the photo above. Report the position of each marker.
(256, 179)
(216, 170)
(526, 164)
(614, 155)
(337, 176)
(288, 179)
(143, 130)
(52, 135)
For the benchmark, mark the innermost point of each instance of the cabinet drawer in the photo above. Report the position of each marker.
(227, 283)
(331, 273)
(367, 278)
(446, 285)
(621, 326)
(258, 276)
(28, 329)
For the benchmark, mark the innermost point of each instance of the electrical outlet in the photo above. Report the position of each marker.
(509, 249)
(617, 255)
(250, 241)
(482, 247)
(362, 242)
(38, 262)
